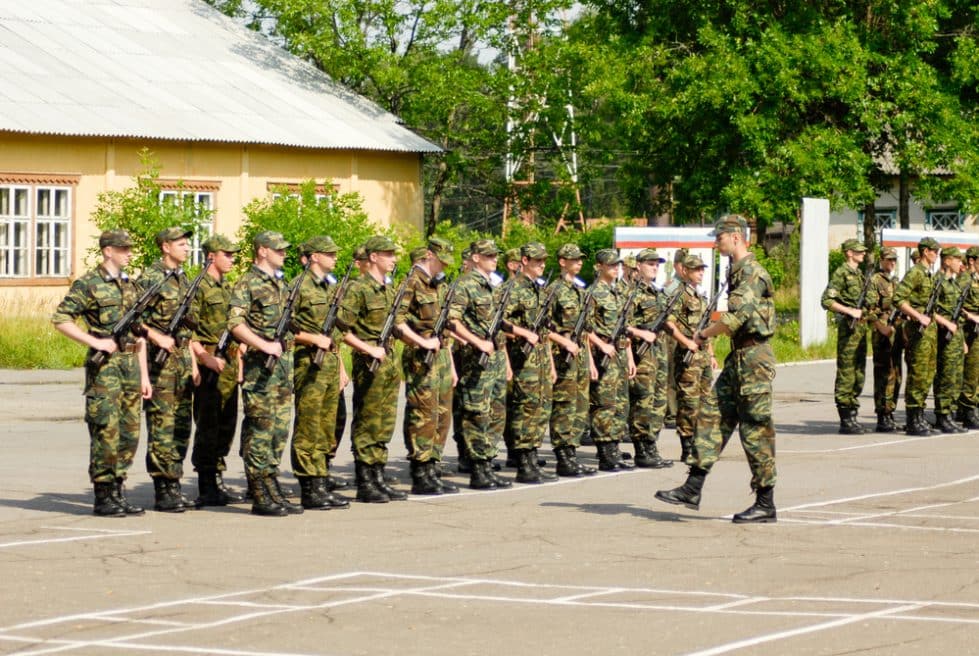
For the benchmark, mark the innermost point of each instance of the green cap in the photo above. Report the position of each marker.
(649, 255)
(380, 244)
(630, 261)
(854, 245)
(172, 234)
(417, 254)
(973, 252)
(952, 251)
(730, 223)
(570, 252)
(512, 255)
(915, 255)
(360, 253)
(680, 254)
(116, 238)
(319, 244)
(692, 261)
(930, 243)
(607, 256)
(269, 239)
(216, 243)
(888, 253)
(484, 247)
(534, 251)
(442, 248)
(466, 253)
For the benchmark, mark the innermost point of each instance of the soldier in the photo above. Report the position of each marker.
(968, 400)
(608, 425)
(317, 386)
(375, 404)
(428, 386)
(950, 354)
(693, 378)
(512, 264)
(529, 402)
(216, 395)
(842, 296)
(257, 302)
(647, 391)
(886, 343)
(463, 465)
(482, 389)
(742, 394)
(911, 298)
(667, 343)
(169, 411)
(114, 386)
(569, 396)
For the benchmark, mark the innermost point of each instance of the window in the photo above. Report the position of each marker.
(292, 191)
(886, 218)
(35, 226)
(943, 219)
(201, 202)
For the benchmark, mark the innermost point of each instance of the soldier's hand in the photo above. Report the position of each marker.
(485, 346)
(323, 342)
(856, 313)
(592, 370)
(379, 353)
(272, 348)
(573, 349)
(631, 370)
(344, 378)
(145, 389)
(532, 338)
(924, 320)
(165, 342)
(213, 363)
(607, 349)
(106, 344)
(887, 331)
(431, 343)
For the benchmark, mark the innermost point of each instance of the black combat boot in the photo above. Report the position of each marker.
(763, 510)
(687, 494)
(465, 464)
(279, 495)
(422, 479)
(207, 487)
(120, 497)
(309, 495)
(367, 489)
(480, 478)
(606, 457)
(621, 459)
(848, 422)
(584, 469)
(971, 420)
(229, 495)
(885, 423)
(499, 480)
(944, 423)
(166, 499)
(262, 503)
(384, 482)
(323, 490)
(567, 465)
(526, 473)
(916, 423)
(686, 448)
(648, 457)
(537, 462)
(106, 504)
(189, 504)
(447, 487)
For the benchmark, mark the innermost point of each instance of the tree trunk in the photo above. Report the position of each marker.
(870, 225)
(904, 201)
(438, 190)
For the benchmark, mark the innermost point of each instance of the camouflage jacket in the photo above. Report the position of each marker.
(884, 285)
(98, 299)
(162, 309)
(568, 303)
(688, 310)
(845, 287)
(971, 303)
(750, 308)
(525, 302)
(365, 306)
(915, 288)
(422, 302)
(948, 297)
(258, 300)
(608, 305)
(474, 304)
(648, 305)
(313, 304)
(209, 310)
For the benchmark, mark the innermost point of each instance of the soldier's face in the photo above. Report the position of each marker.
(223, 261)
(695, 276)
(326, 261)
(725, 242)
(385, 260)
(649, 270)
(888, 266)
(570, 266)
(276, 257)
(485, 264)
(533, 268)
(930, 255)
(177, 250)
(118, 256)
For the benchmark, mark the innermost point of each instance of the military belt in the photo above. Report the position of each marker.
(750, 340)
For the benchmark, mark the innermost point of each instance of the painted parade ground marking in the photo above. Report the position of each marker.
(83, 534)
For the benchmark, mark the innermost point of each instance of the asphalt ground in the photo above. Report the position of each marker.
(875, 552)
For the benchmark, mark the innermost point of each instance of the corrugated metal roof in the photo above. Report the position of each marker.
(173, 69)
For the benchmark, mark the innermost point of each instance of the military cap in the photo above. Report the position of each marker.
(511, 255)
(915, 256)
(930, 243)
(608, 256)
(269, 239)
(442, 248)
(172, 234)
(570, 252)
(730, 223)
(680, 254)
(360, 253)
(484, 247)
(116, 238)
(630, 261)
(216, 243)
(888, 253)
(380, 244)
(534, 251)
(649, 255)
(854, 245)
(419, 253)
(466, 253)
(319, 244)
(952, 251)
(693, 261)
(973, 252)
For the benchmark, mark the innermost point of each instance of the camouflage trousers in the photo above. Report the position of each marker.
(851, 362)
(922, 348)
(314, 424)
(741, 397)
(112, 408)
(428, 402)
(375, 408)
(569, 398)
(608, 422)
(529, 401)
(457, 406)
(888, 352)
(668, 344)
(341, 423)
(693, 381)
(969, 395)
(215, 416)
(647, 395)
(482, 394)
(949, 360)
(267, 397)
(169, 414)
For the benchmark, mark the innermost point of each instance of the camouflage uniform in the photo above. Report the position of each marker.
(887, 350)
(692, 379)
(608, 423)
(569, 396)
(950, 353)
(845, 287)
(647, 391)
(922, 345)
(529, 408)
(968, 401)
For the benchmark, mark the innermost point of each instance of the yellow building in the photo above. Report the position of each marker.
(87, 85)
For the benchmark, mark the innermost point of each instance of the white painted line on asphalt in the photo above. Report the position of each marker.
(877, 495)
(519, 487)
(892, 513)
(874, 445)
(100, 534)
(906, 527)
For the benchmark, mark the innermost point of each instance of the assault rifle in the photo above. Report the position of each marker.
(388, 328)
(957, 312)
(862, 299)
(658, 322)
(542, 314)
(688, 356)
(282, 326)
(579, 324)
(331, 315)
(178, 316)
(619, 328)
(220, 351)
(497, 323)
(125, 322)
(443, 319)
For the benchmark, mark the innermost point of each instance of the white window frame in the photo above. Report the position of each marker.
(945, 219)
(200, 200)
(54, 255)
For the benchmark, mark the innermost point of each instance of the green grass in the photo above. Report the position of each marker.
(786, 344)
(31, 342)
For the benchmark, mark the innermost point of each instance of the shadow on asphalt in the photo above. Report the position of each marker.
(625, 509)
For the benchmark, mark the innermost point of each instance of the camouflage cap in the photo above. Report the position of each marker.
(973, 252)
(570, 252)
(930, 243)
(512, 255)
(172, 234)
(269, 239)
(915, 256)
(418, 254)
(534, 251)
(466, 253)
(319, 244)
(608, 256)
(115, 238)
(952, 251)
(649, 255)
(693, 261)
(680, 254)
(219, 243)
(484, 247)
(888, 253)
(730, 223)
(380, 244)
(360, 253)
(854, 245)
(630, 261)
(443, 249)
